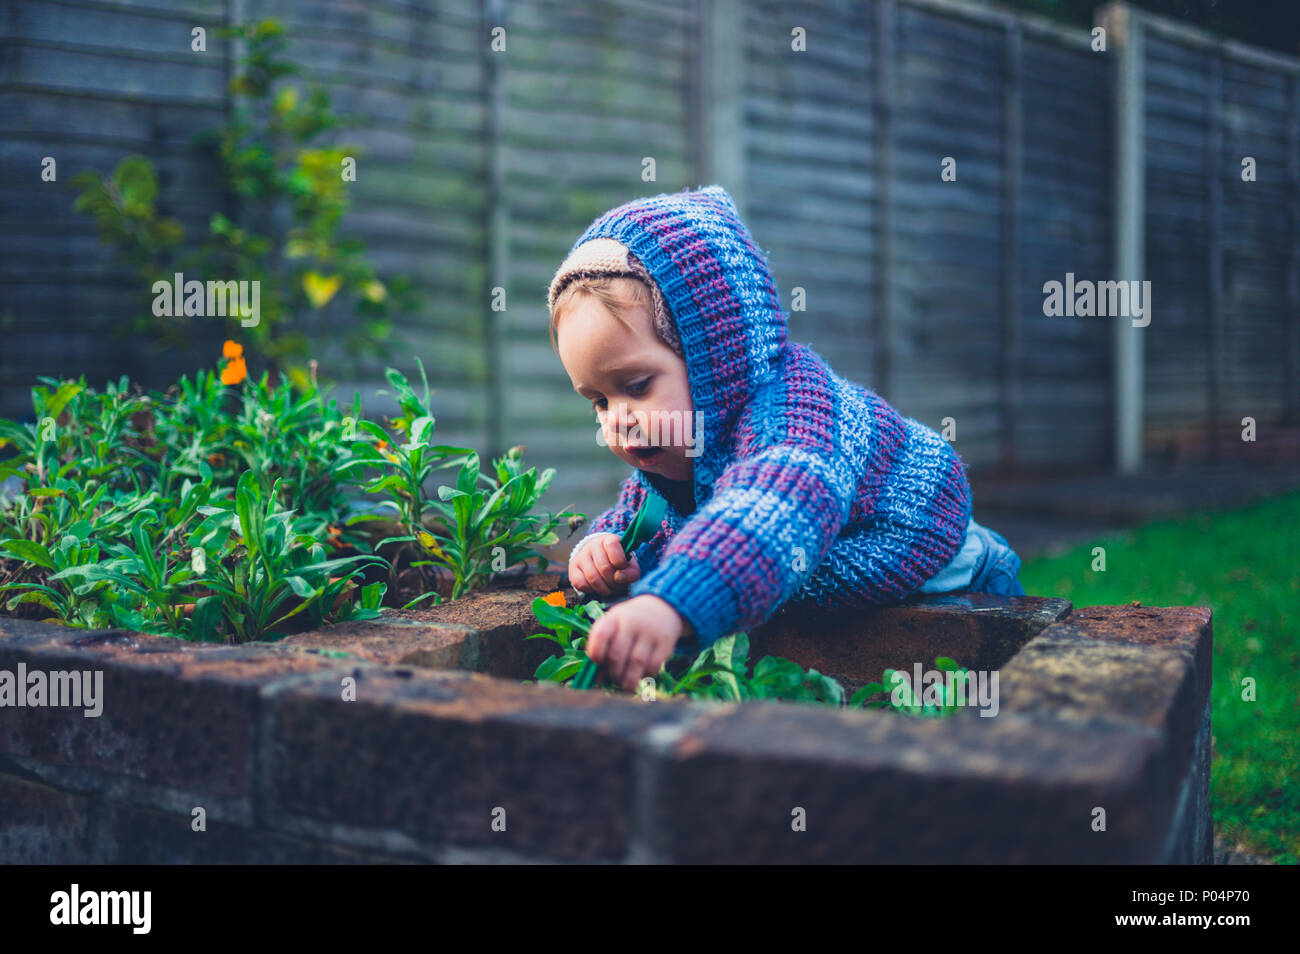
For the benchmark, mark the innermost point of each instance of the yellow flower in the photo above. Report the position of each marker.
(429, 542)
(320, 289)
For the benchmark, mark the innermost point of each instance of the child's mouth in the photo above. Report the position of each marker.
(644, 454)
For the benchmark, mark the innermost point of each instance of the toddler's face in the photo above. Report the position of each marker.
(637, 385)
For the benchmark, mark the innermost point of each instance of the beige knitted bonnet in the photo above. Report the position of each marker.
(606, 256)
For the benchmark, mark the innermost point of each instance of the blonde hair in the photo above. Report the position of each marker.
(619, 294)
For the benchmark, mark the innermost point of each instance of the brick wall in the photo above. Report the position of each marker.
(1100, 708)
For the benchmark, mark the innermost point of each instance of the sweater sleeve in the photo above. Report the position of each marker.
(769, 522)
(774, 510)
(836, 456)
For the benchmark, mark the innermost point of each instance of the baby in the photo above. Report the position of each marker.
(785, 483)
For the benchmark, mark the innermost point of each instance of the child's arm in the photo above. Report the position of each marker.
(777, 510)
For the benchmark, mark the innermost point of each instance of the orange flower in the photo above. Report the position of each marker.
(381, 445)
(234, 372)
(232, 349)
(555, 599)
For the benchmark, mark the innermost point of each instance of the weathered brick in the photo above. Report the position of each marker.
(17, 633)
(1119, 664)
(397, 640)
(1096, 711)
(175, 714)
(431, 755)
(885, 788)
(131, 835)
(1187, 630)
(503, 618)
(41, 825)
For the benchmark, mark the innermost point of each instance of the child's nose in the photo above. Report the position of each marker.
(620, 422)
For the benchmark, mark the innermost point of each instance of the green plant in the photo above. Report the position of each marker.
(902, 697)
(493, 528)
(721, 672)
(72, 551)
(405, 468)
(141, 585)
(130, 510)
(113, 487)
(482, 525)
(253, 582)
(717, 672)
(564, 623)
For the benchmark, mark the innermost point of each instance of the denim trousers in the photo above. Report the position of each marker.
(999, 570)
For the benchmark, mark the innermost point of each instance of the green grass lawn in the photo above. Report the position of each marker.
(1245, 565)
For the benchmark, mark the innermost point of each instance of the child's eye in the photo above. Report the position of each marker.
(638, 387)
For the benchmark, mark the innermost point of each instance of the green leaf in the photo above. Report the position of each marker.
(248, 507)
(555, 617)
(866, 692)
(35, 596)
(301, 587)
(319, 288)
(723, 652)
(551, 636)
(206, 618)
(29, 552)
(467, 479)
(437, 598)
(547, 667)
(59, 400)
(568, 670)
(136, 181)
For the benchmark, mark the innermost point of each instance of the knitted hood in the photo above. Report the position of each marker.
(715, 280)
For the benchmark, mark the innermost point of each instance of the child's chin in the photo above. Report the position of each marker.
(648, 463)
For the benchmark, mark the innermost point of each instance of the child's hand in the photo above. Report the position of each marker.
(635, 638)
(601, 567)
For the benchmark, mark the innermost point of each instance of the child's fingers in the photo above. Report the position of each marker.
(583, 576)
(659, 658)
(630, 573)
(638, 664)
(594, 582)
(595, 563)
(620, 647)
(600, 560)
(598, 639)
(613, 550)
(578, 580)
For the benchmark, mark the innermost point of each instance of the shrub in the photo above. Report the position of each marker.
(209, 512)
(290, 200)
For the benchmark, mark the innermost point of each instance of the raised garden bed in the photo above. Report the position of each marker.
(444, 755)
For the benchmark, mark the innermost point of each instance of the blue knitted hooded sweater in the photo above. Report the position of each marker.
(808, 487)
